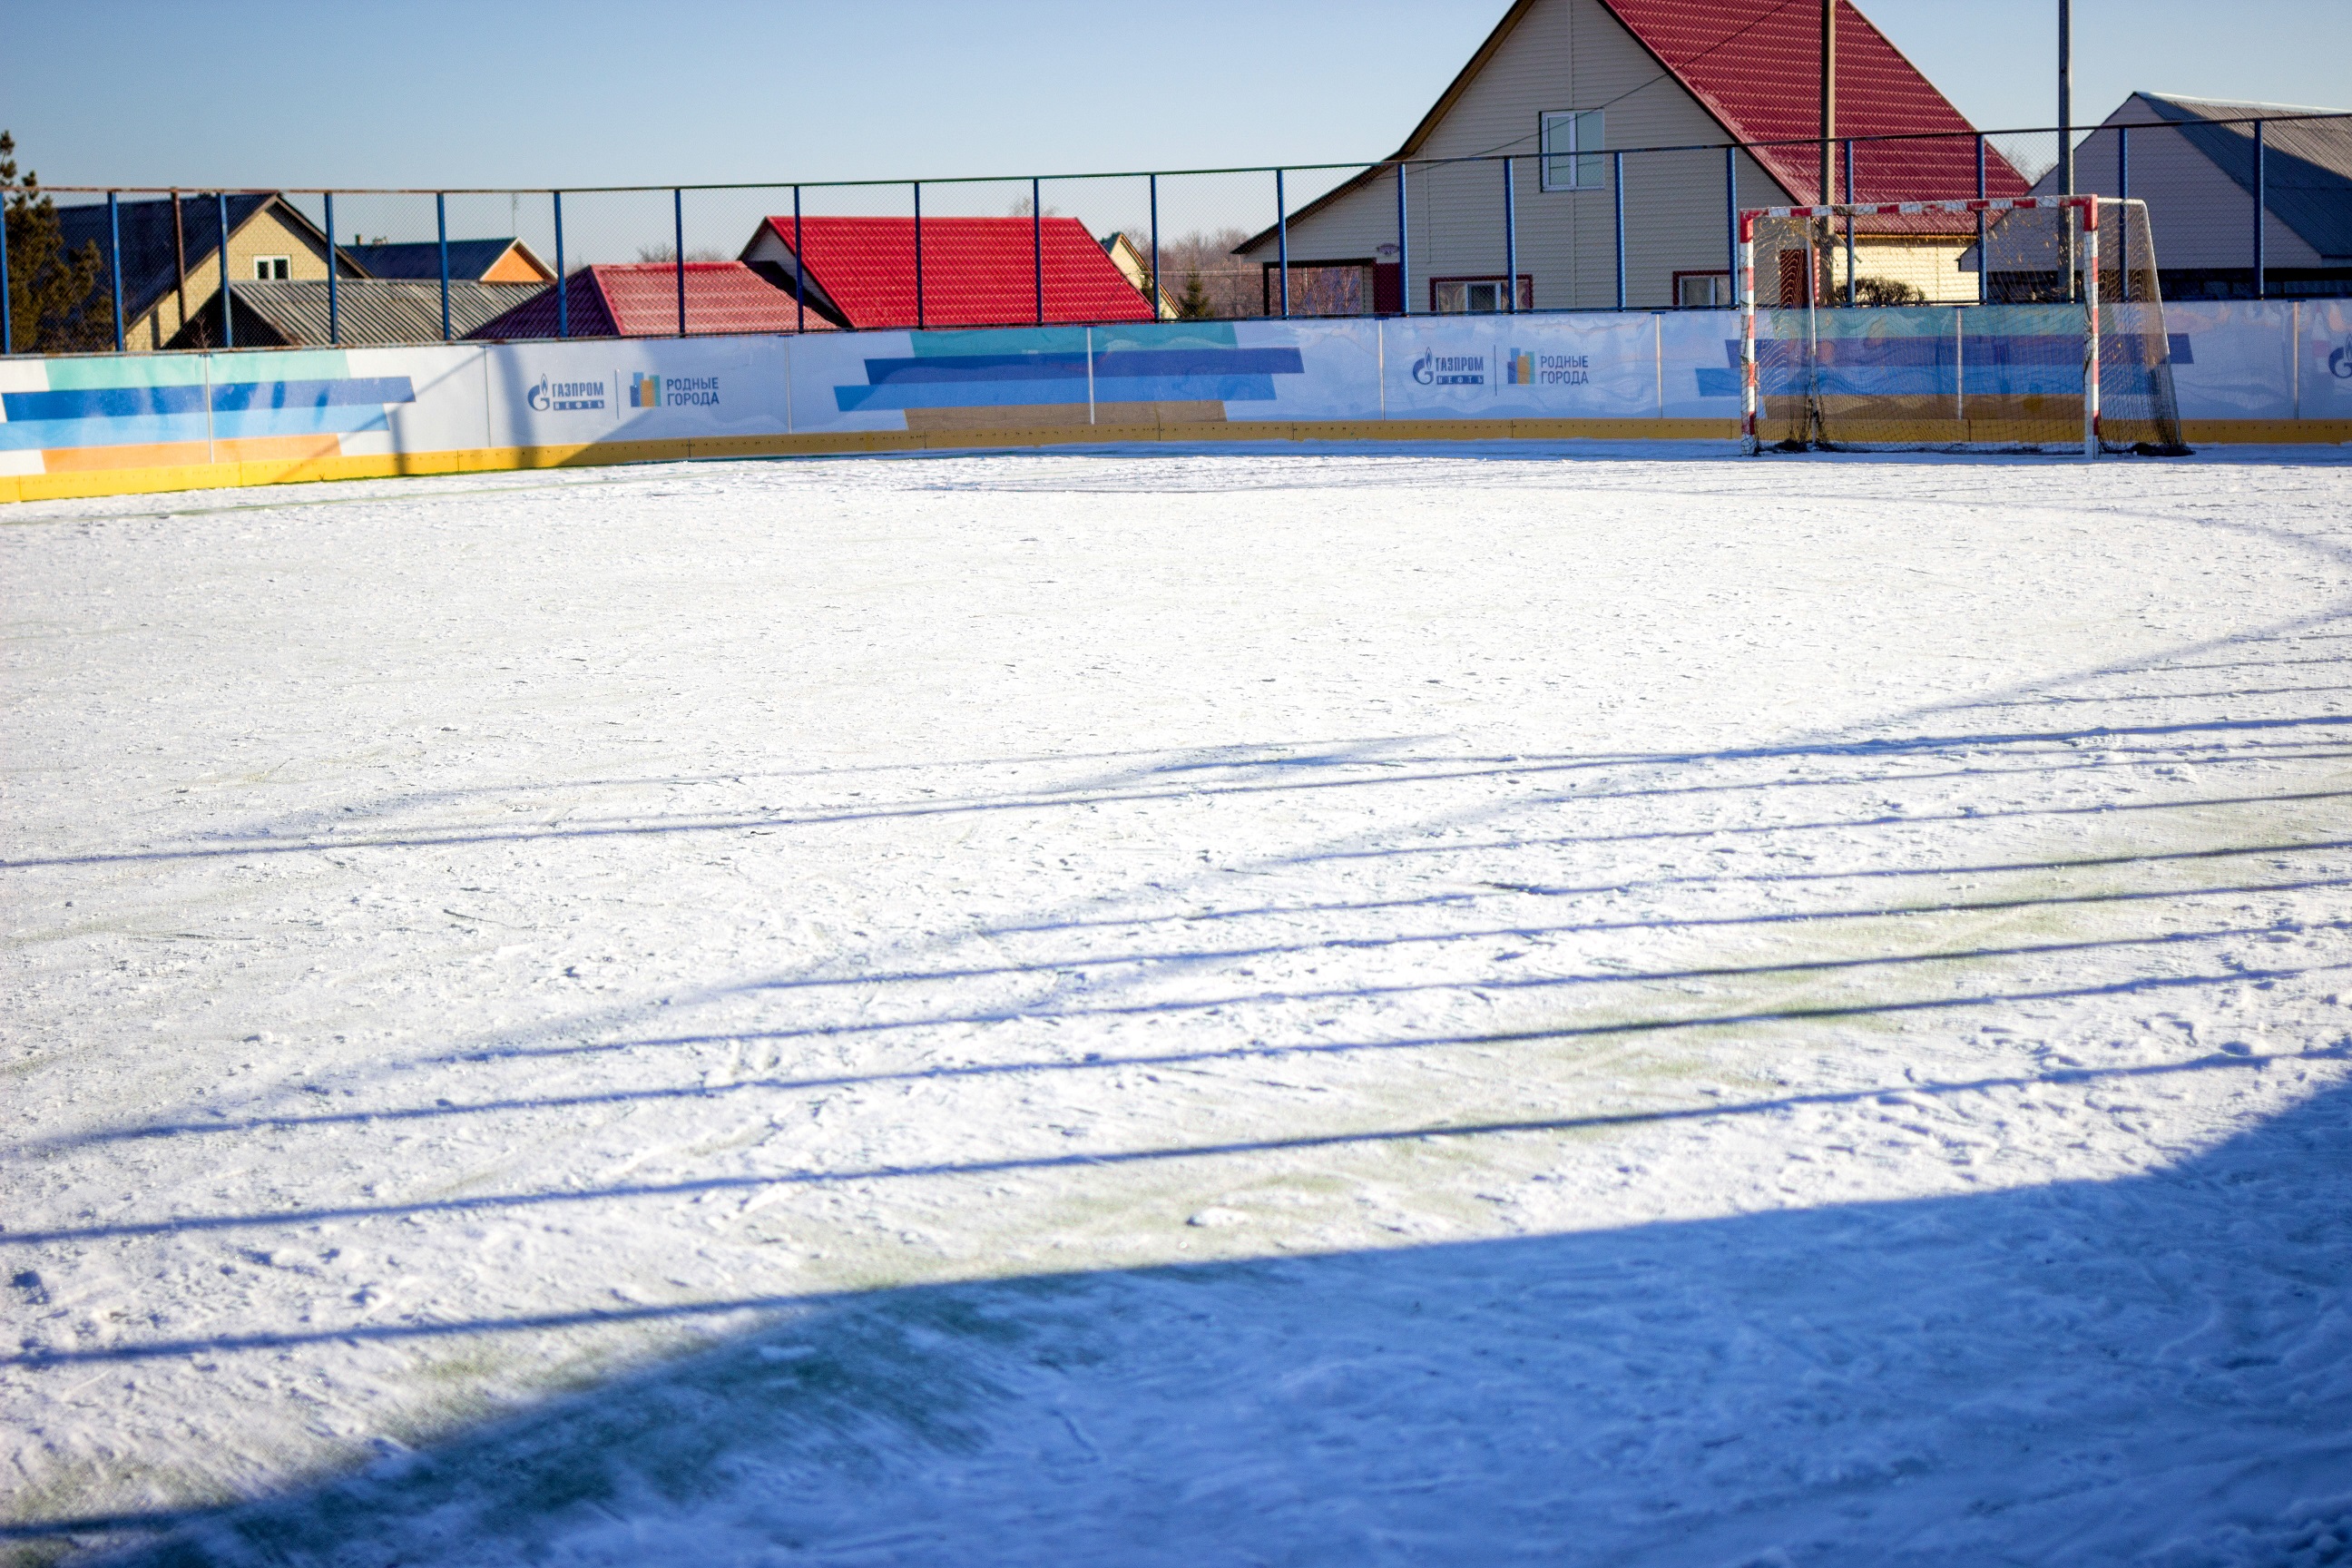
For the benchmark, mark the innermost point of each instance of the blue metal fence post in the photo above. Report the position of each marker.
(1155, 247)
(334, 299)
(799, 269)
(1730, 222)
(562, 278)
(2261, 201)
(114, 260)
(1510, 238)
(441, 219)
(1282, 240)
(7, 304)
(1038, 243)
(1850, 281)
(918, 254)
(1984, 233)
(677, 243)
(1617, 194)
(1404, 249)
(229, 302)
(2123, 214)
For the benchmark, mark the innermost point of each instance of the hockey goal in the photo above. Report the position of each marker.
(2047, 347)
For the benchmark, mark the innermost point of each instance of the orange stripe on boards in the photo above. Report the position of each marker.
(179, 454)
(278, 448)
(156, 455)
(115, 471)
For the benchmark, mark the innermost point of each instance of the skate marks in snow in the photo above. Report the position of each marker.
(837, 1044)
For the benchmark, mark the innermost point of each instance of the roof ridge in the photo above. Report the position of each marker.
(670, 266)
(2236, 102)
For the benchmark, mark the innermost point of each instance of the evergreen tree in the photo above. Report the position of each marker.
(49, 291)
(1192, 304)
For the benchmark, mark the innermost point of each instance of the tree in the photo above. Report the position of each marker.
(1887, 291)
(49, 291)
(1229, 285)
(669, 252)
(1192, 304)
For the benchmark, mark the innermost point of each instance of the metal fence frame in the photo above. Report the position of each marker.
(1280, 306)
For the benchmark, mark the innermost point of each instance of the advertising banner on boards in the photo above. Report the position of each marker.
(150, 411)
(2324, 360)
(2258, 362)
(1509, 367)
(1698, 356)
(444, 411)
(634, 389)
(2231, 358)
(1163, 373)
(1308, 369)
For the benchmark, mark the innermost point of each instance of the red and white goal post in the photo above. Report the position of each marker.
(1989, 325)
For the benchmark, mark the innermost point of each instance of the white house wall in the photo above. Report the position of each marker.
(2201, 218)
(1564, 54)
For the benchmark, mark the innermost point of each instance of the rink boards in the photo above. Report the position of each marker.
(2245, 372)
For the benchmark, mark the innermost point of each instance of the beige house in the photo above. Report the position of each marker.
(1562, 89)
(1134, 264)
(170, 257)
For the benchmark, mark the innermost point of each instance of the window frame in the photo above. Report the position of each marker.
(1730, 300)
(1463, 279)
(1586, 167)
(285, 265)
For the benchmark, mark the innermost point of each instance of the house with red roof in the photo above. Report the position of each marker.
(875, 273)
(639, 300)
(1563, 84)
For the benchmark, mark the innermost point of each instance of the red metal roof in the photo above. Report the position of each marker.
(977, 271)
(1756, 67)
(639, 300)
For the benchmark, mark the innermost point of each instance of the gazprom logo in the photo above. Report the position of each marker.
(560, 396)
(1434, 369)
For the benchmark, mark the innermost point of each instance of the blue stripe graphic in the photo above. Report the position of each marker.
(33, 435)
(1034, 391)
(2042, 365)
(236, 423)
(147, 402)
(372, 390)
(1122, 364)
(103, 403)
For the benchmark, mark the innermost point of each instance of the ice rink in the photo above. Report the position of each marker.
(1469, 1007)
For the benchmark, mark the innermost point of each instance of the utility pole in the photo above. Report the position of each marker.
(2066, 95)
(1829, 95)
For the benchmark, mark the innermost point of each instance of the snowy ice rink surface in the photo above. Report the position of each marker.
(1199, 1008)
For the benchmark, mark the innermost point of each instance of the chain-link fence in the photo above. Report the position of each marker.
(1574, 225)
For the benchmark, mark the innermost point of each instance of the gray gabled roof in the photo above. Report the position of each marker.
(368, 311)
(468, 258)
(2306, 163)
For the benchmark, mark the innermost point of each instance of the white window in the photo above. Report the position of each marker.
(1572, 143)
(1702, 290)
(1477, 296)
(267, 269)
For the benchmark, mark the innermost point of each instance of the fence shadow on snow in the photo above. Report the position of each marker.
(1946, 1378)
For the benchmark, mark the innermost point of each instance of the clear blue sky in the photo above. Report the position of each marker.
(416, 92)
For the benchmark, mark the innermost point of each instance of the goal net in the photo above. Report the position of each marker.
(2027, 324)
